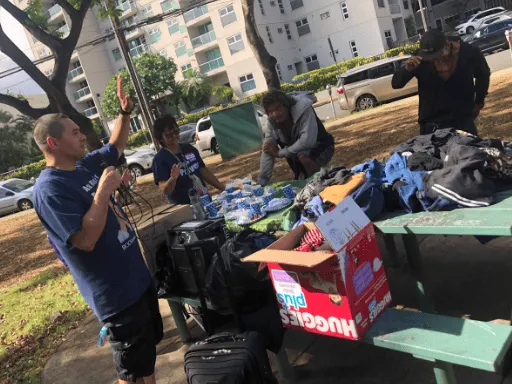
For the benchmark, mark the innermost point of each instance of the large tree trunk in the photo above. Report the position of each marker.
(54, 87)
(266, 60)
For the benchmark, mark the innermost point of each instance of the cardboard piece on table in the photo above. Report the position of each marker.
(337, 193)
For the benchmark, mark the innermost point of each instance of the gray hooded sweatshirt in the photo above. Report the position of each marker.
(307, 131)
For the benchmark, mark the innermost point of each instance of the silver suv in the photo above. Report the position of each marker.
(365, 86)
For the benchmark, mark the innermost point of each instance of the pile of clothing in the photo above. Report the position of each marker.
(440, 171)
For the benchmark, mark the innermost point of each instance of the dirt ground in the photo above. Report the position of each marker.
(361, 136)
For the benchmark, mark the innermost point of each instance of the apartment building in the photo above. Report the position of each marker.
(296, 32)
(211, 39)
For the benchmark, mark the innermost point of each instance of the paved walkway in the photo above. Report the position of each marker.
(467, 278)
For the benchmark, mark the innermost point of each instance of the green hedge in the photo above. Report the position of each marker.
(138, 139)
(27, 171)
(317, 80)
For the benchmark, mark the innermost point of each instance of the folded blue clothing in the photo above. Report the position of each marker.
(373, 169)
(315, 207)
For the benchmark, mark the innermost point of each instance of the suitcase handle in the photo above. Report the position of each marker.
(221, 337)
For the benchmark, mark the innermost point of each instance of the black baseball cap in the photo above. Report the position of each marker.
(432, 44)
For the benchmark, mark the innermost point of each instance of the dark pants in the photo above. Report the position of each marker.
(466, 125)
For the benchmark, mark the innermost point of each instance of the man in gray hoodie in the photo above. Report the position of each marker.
(296, 133)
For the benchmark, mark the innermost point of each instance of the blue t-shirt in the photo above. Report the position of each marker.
(162, 164)
(113, 276)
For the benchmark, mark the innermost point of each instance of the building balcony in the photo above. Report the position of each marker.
(203, 41)
(134, 33)
(128, 9)
(55, 13)
(76, 74)
(82, 94)
(395, 9)
(212, 67)
(196, 15)
(64, 30)
(139, 50)
(91, 113)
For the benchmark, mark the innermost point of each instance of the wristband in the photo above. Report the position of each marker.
(125, 113)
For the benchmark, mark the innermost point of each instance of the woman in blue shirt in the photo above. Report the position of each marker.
(177, 168)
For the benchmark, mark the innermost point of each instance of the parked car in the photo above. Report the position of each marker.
(476, 21)
(310, 95)
(139, 160)
(16, 195)
(491, 37)
(365, 86)
(188, 134)
(205, 136)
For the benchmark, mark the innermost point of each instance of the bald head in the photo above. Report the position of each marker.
(51, 125)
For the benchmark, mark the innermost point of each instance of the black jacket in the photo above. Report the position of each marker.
(452, 100)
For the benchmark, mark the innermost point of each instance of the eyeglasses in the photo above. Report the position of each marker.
(171, 134)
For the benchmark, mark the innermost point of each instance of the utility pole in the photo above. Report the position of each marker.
(147, 115)
(422, 11)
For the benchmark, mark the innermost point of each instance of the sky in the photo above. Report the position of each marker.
(19, 82)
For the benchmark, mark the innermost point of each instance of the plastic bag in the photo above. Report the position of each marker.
(246, 281)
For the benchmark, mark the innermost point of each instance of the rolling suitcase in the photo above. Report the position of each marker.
(227, 358)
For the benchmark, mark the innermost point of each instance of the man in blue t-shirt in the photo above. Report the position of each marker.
(178, 168)
(73, 198)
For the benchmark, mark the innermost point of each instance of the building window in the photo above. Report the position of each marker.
(179, 48)
(168, 5)
(312, 62)
(173, 26)
(154, 35)
(325, 15)
(135, 124)
(389, 38)
(227, 15)
(406, 4)
(269, 35)
(281, 6)
(272, 3)
(163, 53)
(186, 67)
(262, 10)
(439, 24)
(353, 49)
(236, 43)
(279, 30)
(381, 4)
(295, 4)
(247, 82)
(116, 53)
(278, 70)
(303, 27)
(42, 52)
(288, 32)
(290, 67)
(147, 10)
(344, 10)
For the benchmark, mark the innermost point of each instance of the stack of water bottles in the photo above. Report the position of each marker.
(244, 202)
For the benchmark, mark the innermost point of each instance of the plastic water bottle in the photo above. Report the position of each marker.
(196, 205)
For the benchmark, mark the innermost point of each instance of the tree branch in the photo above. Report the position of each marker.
(13, 52)
(84, 7)
(68, 8)
(54, 43)
(23, 106)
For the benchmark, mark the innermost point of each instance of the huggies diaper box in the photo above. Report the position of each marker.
(336, 293)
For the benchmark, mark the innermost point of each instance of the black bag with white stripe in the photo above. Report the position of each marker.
(227, 358)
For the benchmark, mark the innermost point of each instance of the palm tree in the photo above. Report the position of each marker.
(196, 90)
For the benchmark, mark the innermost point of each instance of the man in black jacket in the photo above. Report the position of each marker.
(453, 80)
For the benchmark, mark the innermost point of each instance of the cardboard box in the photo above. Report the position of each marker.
(336, 294)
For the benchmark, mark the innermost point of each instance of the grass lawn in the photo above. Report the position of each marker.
(34, 317)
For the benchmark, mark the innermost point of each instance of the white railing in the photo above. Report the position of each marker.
(90, 112)
(81, 93)
(75, 73)
(140, 49)
(395, 9)
(53, 10)
(195, 13)
(64, 30)
(211, 65)
(203, 39)
(126, 6)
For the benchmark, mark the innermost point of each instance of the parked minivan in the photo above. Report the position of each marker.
(365, 86)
